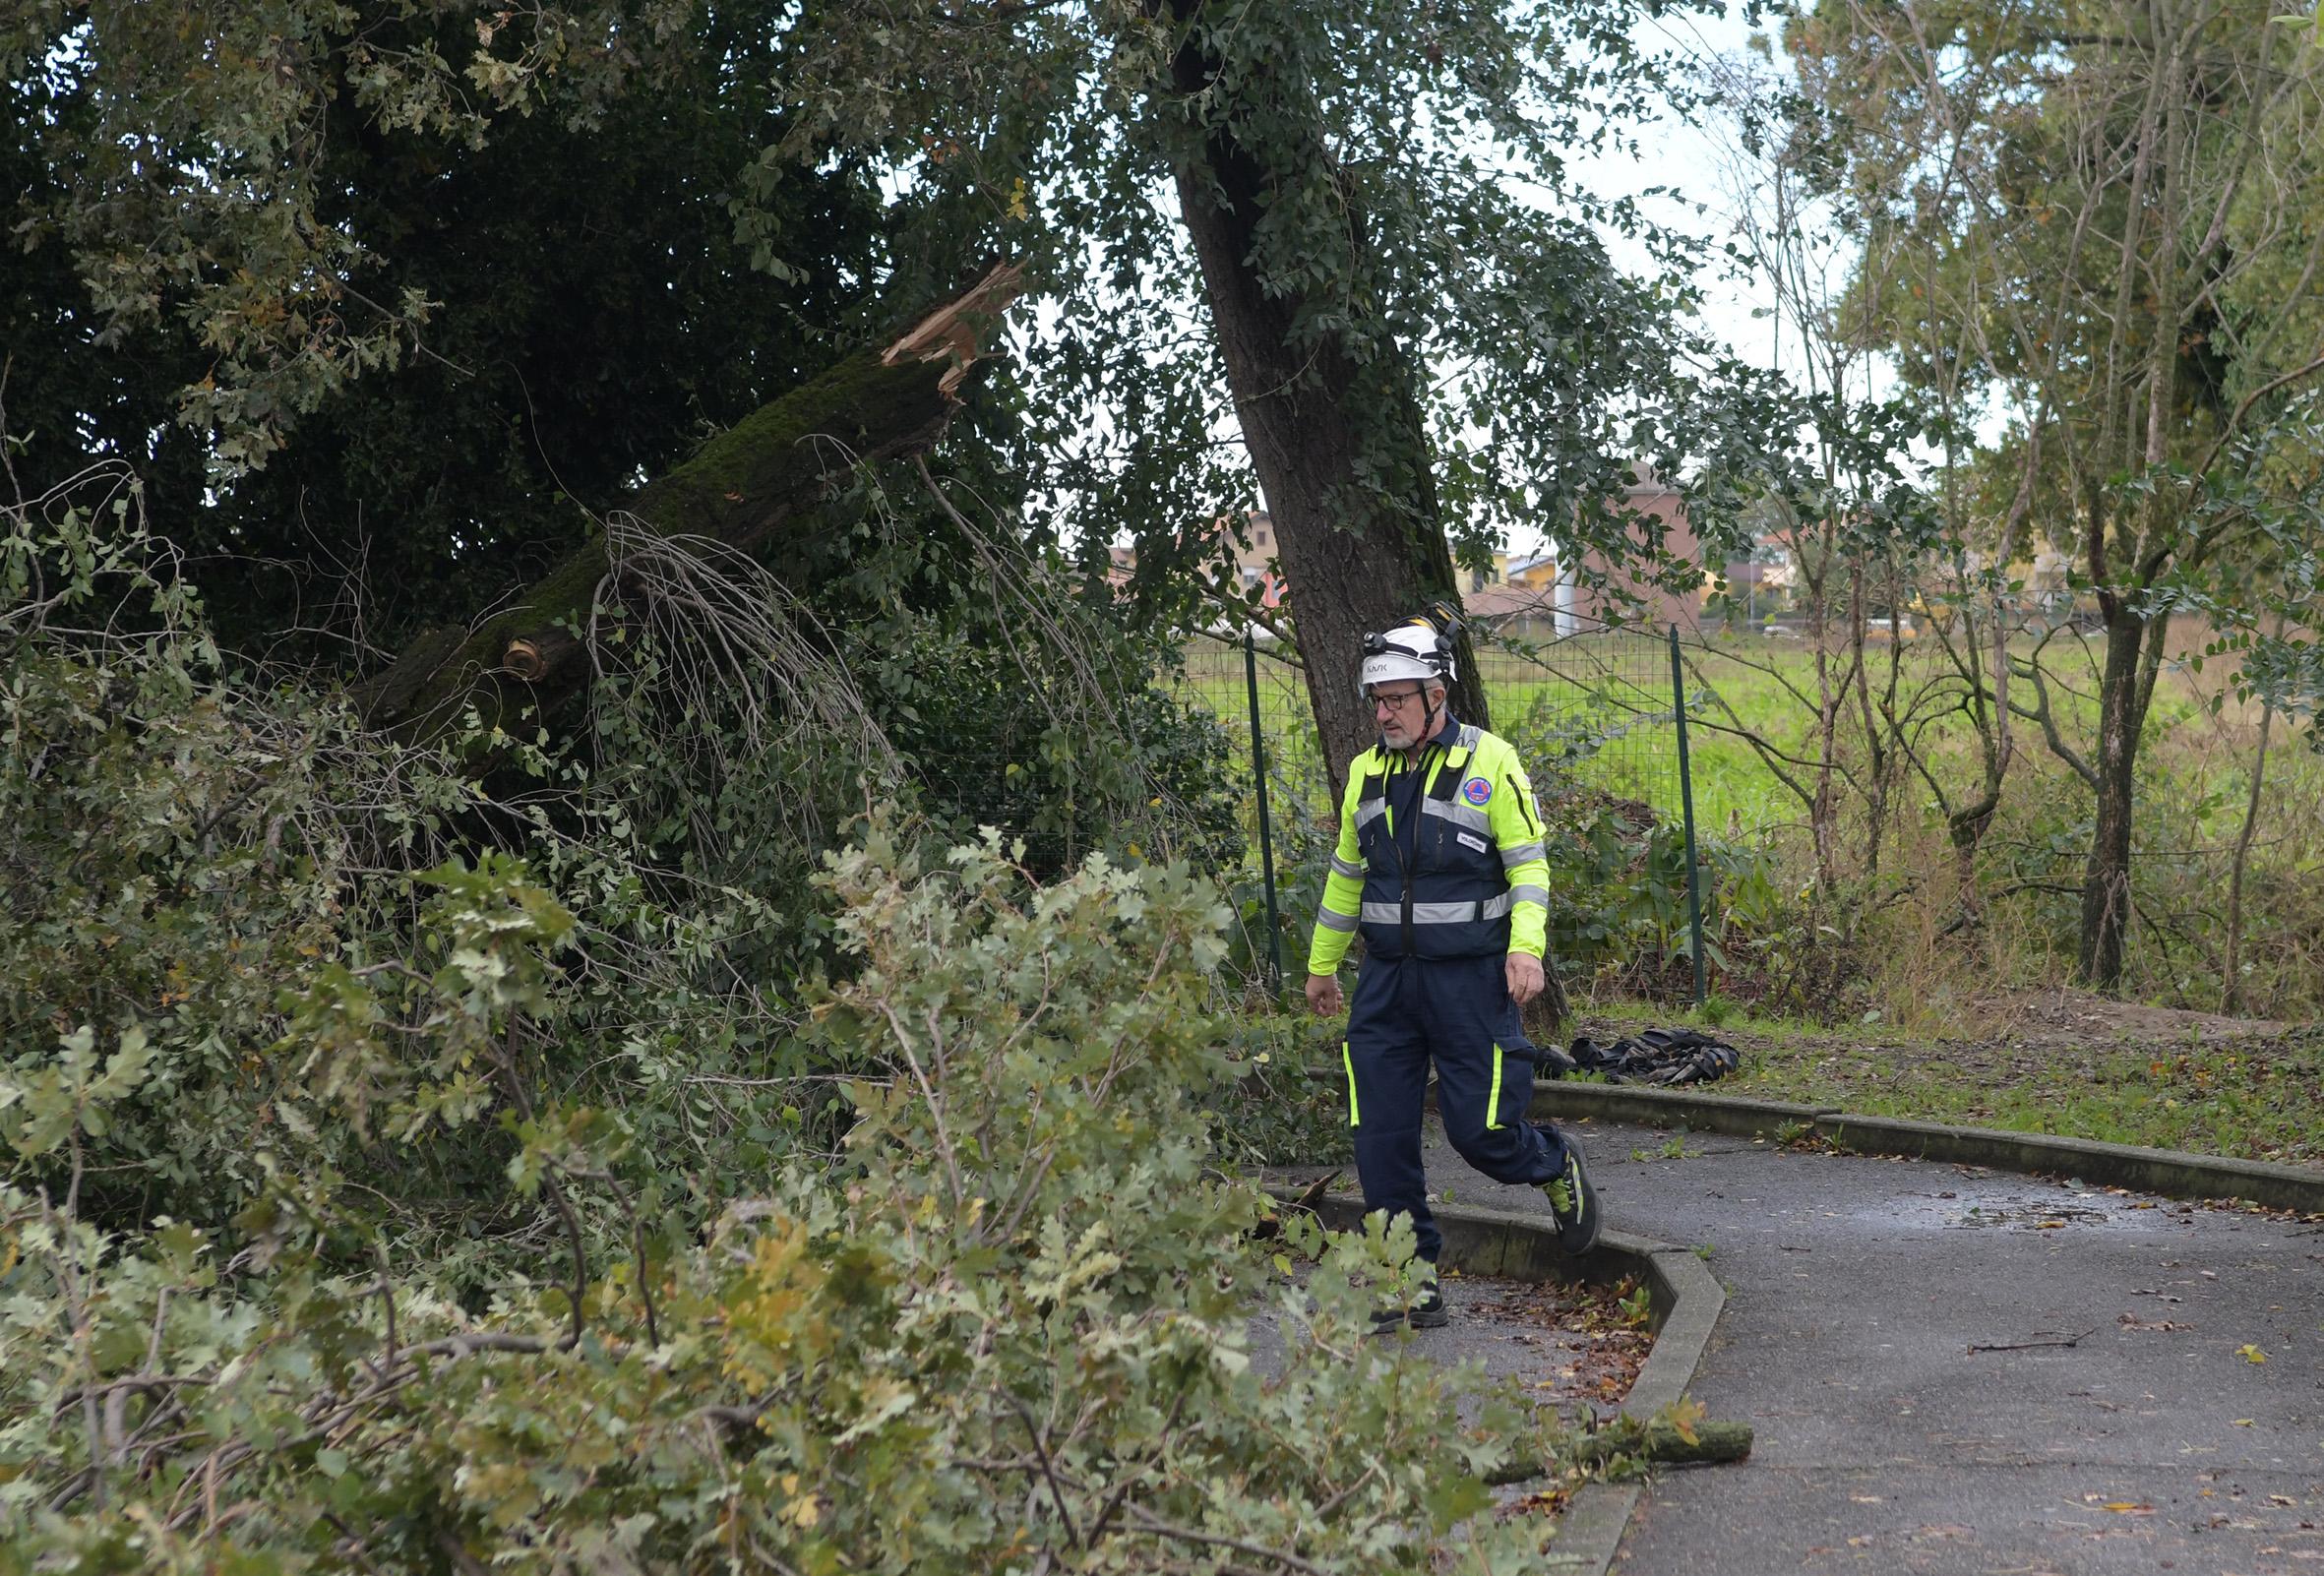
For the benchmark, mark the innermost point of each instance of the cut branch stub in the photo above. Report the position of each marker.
(743, 489)
(534, 657)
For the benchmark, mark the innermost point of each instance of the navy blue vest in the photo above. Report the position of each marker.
(1448, 897)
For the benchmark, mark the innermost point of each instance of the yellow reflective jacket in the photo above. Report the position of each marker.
(1475, 882)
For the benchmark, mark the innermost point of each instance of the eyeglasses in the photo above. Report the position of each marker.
(1397, 701)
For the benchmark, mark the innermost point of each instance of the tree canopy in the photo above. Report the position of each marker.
(379, 324)
(2117, 202)
(555, 245)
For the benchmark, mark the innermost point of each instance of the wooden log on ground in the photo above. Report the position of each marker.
(743, 489)
(1658, 1441)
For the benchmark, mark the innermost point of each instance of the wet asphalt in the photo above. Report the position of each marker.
(1520, 1339)
(1957, 1371)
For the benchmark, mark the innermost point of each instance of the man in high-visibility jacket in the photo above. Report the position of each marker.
(1441, 868)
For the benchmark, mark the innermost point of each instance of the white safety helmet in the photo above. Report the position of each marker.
(1416, 649)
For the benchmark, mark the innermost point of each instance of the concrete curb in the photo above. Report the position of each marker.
(2168, 1172)
(1685, 1297)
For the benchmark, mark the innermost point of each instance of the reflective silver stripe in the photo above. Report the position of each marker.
(1530, 895)
(1326, 919)
(1470, 732)
(1466, 816)
(1435, 913)
(1511, 857)
(1369, 811)
(1496, 907)
(1342, 867)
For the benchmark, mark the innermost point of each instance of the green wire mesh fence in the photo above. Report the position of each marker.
(1598, 709)
(1592, 708)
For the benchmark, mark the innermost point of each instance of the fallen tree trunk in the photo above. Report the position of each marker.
(743, 489)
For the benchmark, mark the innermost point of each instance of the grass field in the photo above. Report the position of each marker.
(2089, 1068)
(1609, 695)
(2068, 1063)
(1596, 713)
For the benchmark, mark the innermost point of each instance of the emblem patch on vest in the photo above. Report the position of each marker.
(1476, 791)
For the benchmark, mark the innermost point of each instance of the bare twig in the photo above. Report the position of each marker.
(1148, 1522)
(2028, 1346)
(551, 1182)
(1048, 1467)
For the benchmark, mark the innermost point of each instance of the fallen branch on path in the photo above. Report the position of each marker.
(1272, 1225)
(2027, 1346)
(1660, 1441)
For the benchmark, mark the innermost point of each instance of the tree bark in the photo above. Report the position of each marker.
(1657, 1441)
(745, 488)
(2105, 886)
(2126, 678)
(1823, 810)
(2230, 1000)
(1339, 446)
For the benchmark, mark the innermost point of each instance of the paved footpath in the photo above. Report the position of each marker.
(1857, 1289)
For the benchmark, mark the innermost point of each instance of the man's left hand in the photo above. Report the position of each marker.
(1524, 976)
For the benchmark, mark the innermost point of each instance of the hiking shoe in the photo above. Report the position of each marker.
(1425, 1315)
(1573, 1204)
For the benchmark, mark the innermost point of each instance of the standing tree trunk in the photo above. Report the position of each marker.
(1818, 560)
(1989, 713)
(1339, 444)
(2231, 983)
(2106, 884)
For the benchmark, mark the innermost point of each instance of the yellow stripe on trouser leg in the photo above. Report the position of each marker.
(1492, 1100)
(1349, 1062)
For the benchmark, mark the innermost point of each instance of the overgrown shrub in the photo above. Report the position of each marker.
(1619, 916)
(398, 1178)
(237, 879)
(1013, 739)
(1944, 955)
(1011, 1332)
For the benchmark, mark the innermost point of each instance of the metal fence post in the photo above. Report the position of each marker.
(1259, 770)
(1686, 805)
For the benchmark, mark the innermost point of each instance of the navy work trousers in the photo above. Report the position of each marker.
(1456, 1012)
